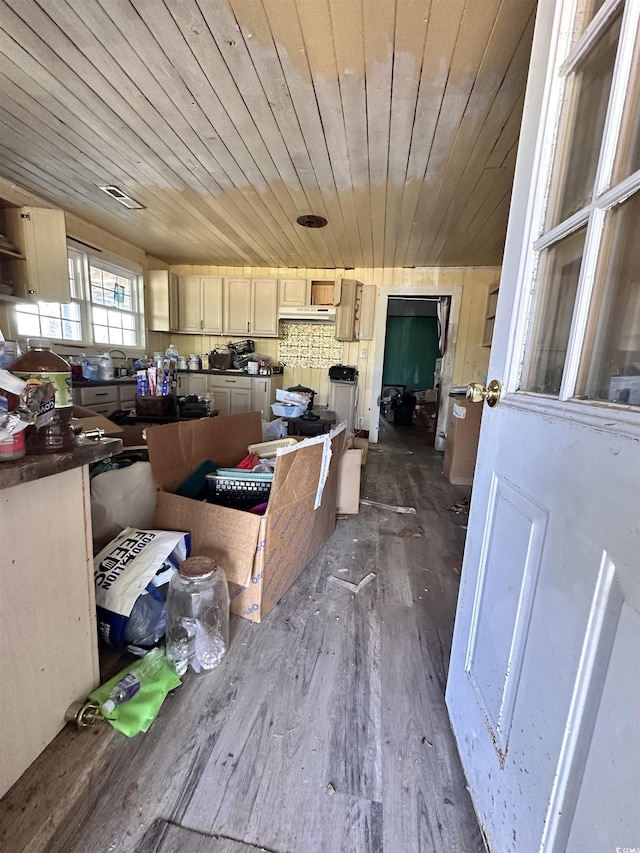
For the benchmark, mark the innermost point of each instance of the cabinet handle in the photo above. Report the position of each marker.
(101, 393)
(248, 329)
(201, 325)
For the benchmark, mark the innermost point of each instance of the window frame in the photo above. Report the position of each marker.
(82, 259)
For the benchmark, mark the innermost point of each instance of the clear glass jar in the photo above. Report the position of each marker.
(197, 633)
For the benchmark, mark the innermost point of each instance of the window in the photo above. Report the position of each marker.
(113, 305)
(105, 307)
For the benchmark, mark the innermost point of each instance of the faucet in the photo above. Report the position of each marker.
(117, 350)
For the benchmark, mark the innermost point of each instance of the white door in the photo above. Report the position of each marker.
(544, 680)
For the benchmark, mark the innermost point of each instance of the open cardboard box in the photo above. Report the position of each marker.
(90, 420)
(261, 555)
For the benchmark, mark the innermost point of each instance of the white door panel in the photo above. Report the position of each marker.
(544, 682)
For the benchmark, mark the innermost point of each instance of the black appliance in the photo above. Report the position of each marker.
(242, 347)
(341, 373)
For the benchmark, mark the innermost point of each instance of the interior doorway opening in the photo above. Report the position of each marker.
(410, 391)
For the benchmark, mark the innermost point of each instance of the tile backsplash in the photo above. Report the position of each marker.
(310, 345)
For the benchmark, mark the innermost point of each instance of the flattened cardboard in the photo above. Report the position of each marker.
(261, 556)
(90, 420)
(348, 496)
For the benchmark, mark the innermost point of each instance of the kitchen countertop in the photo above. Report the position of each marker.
(127, 380)
(35, 467)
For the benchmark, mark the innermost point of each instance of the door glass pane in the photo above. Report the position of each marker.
(628, 155)
(558, 282)
(611, 360)
(588, 12)
(583, 115)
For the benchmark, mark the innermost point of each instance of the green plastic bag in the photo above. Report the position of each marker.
(157, 679)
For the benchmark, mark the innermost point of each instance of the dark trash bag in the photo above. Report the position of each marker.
(404, 409)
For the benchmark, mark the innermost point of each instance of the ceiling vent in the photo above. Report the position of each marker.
(123, 198)
(310, 220)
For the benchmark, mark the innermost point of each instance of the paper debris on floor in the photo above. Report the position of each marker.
(403, 509)
(354, 587)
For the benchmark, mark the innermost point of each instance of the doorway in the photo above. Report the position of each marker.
(415, 344)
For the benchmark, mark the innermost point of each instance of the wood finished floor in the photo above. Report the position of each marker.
(324, 731)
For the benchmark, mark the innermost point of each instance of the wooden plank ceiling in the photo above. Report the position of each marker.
(396, 120)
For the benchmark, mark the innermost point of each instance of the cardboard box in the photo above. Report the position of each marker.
(362, 444)
(90, 420)
(261, 555)
(461, 447)
(348, 499)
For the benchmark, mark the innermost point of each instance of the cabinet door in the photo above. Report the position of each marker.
(189, 287)
(240, 401)
(39, 234)
(127, 396)
(264, 307)
(222, 399)
(364, 325)
(211, 295)
(198, 384)
(346, 310)
(237, 306)
(161, 301)
(260, 401)
(294, 292)
(263, 394)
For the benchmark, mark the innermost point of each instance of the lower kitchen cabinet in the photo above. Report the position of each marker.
(263, 394)
(231, 394)
(106, 399)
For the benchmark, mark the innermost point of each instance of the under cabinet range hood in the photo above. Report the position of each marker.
(308, 313)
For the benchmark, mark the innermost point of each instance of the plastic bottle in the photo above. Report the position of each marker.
(172, 352)
(106, 367)
(52, 432)
(197, 616)
(131, 683)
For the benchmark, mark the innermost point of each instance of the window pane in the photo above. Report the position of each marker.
(101, 334)
(584, 112)
(611, 359)
(628, 156)
(99, 316)
(557, 285)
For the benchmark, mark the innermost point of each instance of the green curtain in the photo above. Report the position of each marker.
(410, 352)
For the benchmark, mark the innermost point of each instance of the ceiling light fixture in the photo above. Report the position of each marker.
(310, 220)
(123, 198)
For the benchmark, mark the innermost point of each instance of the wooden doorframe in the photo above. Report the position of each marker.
(455, 292)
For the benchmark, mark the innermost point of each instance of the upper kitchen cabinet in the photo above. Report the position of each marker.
(200, 304)
(33, 254)
(161, 301)
(294, 292)
(251, 307)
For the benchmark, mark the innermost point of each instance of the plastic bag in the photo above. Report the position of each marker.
(139, 712)
(124, 497)
(129, 573)
(273, 429)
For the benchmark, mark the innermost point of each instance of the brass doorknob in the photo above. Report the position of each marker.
(477, 393)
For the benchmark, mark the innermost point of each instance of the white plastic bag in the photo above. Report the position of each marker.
(130, 607)
(273, 429)
(123, 497)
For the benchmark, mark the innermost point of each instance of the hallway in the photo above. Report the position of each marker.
(325, 729)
